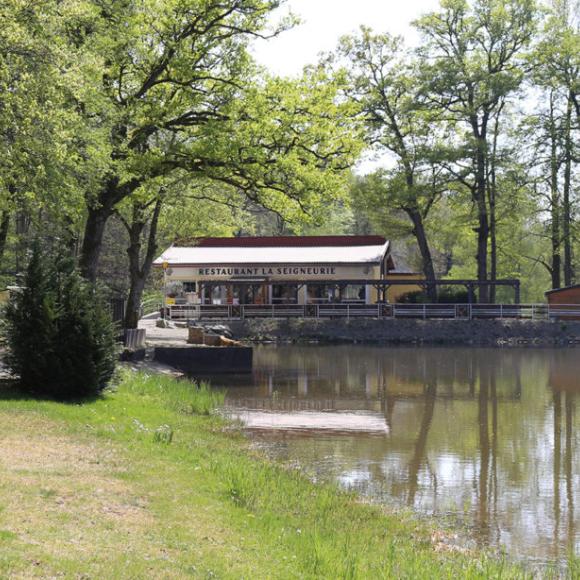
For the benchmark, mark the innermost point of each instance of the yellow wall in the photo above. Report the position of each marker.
(394, 292)
(189, 273)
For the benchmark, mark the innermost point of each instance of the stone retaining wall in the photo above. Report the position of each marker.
(192, 359)
(388, 331)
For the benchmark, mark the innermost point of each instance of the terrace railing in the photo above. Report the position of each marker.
(388, 311)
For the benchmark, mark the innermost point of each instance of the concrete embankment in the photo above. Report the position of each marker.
(388, 331)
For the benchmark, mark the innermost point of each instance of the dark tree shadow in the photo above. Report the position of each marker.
(10, 390)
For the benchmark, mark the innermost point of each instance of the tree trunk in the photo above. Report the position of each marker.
(493, 238)
(427, 259)
(4, 226)
(421, 442)
(481, 204)
(133, 309)
(482, 242)
(139, 272)
(112, 193)
(419, 232)
(484, 446)
(492, 186)
(93, 241)
(554, 202)
(566, 217)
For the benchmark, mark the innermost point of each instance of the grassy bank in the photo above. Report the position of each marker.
(147, 483)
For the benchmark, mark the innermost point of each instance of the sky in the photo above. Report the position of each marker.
(325, 21)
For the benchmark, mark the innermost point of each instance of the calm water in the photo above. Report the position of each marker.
(486, 436)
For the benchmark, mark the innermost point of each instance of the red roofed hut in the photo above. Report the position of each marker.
(278, 269)
(559, 298)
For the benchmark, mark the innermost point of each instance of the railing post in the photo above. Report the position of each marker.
(501, 311)
(348, 311)
(424, 311)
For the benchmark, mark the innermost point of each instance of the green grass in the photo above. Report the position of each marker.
(147, 482)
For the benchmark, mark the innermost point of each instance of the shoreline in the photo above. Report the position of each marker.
(191, 486)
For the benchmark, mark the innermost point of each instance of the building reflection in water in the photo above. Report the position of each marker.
(486, 435)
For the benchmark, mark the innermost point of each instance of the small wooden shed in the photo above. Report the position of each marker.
(570, 295)
(567, 295)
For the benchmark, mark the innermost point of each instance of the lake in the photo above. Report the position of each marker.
(487, 438)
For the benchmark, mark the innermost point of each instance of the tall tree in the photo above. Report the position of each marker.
(557, 74)
(174, 88)
(540, 132)
(472, 61)
(494, 163)
(45, 150)
(152, 216)
(382, 82)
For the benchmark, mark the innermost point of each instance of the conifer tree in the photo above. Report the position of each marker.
(60, 337)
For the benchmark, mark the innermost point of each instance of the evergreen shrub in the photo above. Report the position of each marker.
(414, 297)
(445, 295)
(453, 295)
(59, 333)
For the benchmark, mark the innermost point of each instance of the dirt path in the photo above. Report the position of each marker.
(60, 498)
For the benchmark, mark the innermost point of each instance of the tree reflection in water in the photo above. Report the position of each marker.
(487, 435)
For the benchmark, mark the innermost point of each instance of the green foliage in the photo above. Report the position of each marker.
(183, 397)
(445, 295)
(475, 53)
(415, 297)
(103, 101)
(374, 194)
(381, 79)
(448, 116)
(106, 104)
(453, 295)
(50, 153)
(220, 509)
(59, 333)
(163, 434)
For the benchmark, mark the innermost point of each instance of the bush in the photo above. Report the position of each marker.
(415, 297)
(453, 295)
(59, 334)
(445, 295)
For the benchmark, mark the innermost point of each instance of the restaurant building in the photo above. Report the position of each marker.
(278, 270)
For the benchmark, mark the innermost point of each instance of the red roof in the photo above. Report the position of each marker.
(283, 241)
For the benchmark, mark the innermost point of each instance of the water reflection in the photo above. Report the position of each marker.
(486, 435)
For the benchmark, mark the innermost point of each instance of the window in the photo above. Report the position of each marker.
(323, 293)
(214, 294)
(333, 293)
(284, 293)
(353, 293)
